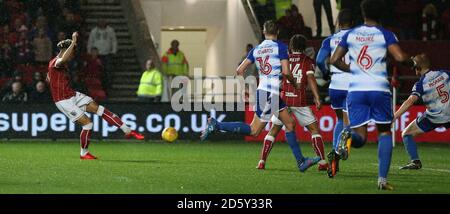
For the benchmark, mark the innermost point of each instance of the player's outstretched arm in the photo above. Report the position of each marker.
(400, 56)
(336, 59)
(405, 106)
(314, 89)
(243, 67)
(68, 54)
(287, 73)
(321, 58)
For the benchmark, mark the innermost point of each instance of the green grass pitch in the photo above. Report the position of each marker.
(212, 167)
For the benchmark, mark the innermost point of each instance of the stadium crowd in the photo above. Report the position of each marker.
(29, 32)
(409, 19)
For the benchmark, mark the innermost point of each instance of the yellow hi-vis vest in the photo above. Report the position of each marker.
(151, 84)
(174, 64)
(281, 6)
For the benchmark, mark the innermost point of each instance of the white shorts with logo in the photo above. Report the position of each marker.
(75, 106)
(304, 115)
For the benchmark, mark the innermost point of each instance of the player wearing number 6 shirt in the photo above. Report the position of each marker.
(271, 58)
(302, 68)
(74, 104)
(369, 97)
(433, 88)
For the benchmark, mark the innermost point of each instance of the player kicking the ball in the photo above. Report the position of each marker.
(433, 88)
(369, 97)
(74, 104)
(302, 68)
(271, 58)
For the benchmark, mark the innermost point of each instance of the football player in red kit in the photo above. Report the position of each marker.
(74, 104)
(302, 68)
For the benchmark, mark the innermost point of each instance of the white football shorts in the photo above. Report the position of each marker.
(304, 115)
(75, 106)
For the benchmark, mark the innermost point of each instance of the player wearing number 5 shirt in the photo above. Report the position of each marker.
(433, 88)
(369, 96)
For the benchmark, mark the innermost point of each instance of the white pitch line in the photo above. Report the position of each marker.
(430, 169)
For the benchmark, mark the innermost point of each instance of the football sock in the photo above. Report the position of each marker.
(411, 147)
(384, 154)
(112, 119)
(125, 129)
(317, 144)
(268, 143)
(291, 139)
(235, 127)
(336, 133)
(85, 137)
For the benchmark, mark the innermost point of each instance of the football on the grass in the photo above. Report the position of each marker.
(169, 134)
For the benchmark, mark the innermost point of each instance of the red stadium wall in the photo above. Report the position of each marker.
(327, 121)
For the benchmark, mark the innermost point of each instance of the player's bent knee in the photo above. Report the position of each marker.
(254, 131)
(84, 120)
(314, 129)
(290, 127)
(88, 126)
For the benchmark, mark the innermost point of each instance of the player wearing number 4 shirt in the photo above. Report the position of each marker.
(74, 104)
(271, 58)
(433, 88)
(302, 68)
(369, 96)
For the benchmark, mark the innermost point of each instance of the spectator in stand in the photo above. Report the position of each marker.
(23, 48)
(408, 15)
(6, 64)
(37, 77)
(16, 95)
(93, 65)
(174, 63)
(429, 23)
(318, 11)
(17, 77)
(103, 37)
(42, 46)
(41, 24)
(151, 84)
(69, 23)
(8, 35)
(445, 23)
(298, 24)
(18, 24)
(285, 26)
(93, 68)
(40, 94)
